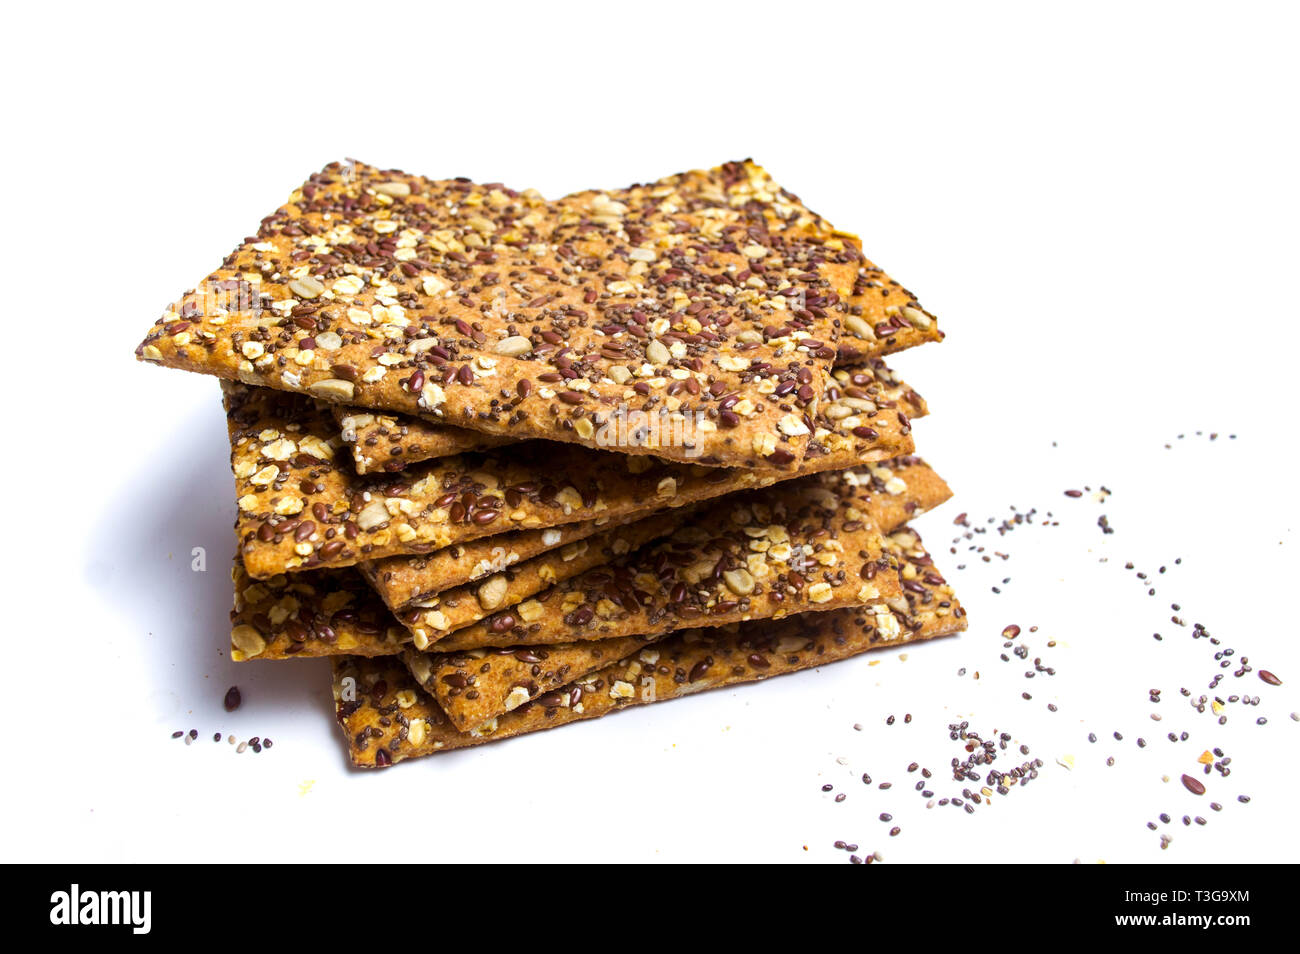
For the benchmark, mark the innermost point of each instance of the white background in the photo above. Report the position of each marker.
(1098, 200)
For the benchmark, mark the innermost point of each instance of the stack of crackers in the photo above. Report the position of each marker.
(513, 463)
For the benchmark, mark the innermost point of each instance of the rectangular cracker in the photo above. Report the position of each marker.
(897, 490)
(310, 614)
(803, 546)
(479, 684)
(301, 507)
(282, 619)
(385, 443)
(332, 612)
(896, 322)
(465, 605)
(497, 311)
(386, 717)
(405, 581)
(854, 395)
(473, 686)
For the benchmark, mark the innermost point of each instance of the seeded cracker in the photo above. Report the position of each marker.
(475, 685)
(404, 581)
(286, 617)
(386, 717)
(301, 506)
(462, 606)
(897, 491)
(856, 399)
(310, 614)
(389, 442)
(898, 324)
(479, 684)
(803, 546)
(496, 311)
(879, 317)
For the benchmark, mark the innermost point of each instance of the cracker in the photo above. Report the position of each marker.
(407, 580)
(336, 611)
(384, 443)
(856, 393)
(854, 399)
(663, 305)
(282, 625)
(803, 546)
(310, 614)
(392, 442)
(499, 312)
(475, 685)
(897, 490)
(896, 322)
(386, 717)
(479, 684)
(300, 507)
(877, 383)
(461, 606)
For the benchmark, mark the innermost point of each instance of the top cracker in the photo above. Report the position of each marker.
(694, 318)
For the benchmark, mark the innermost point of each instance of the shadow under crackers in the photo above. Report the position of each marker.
(147, 572)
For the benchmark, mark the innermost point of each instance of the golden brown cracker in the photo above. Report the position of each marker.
(300, 507)
(496, 311)
(802, 546)
(386, 717)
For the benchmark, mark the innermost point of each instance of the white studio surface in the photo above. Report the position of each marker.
(1099, 202)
